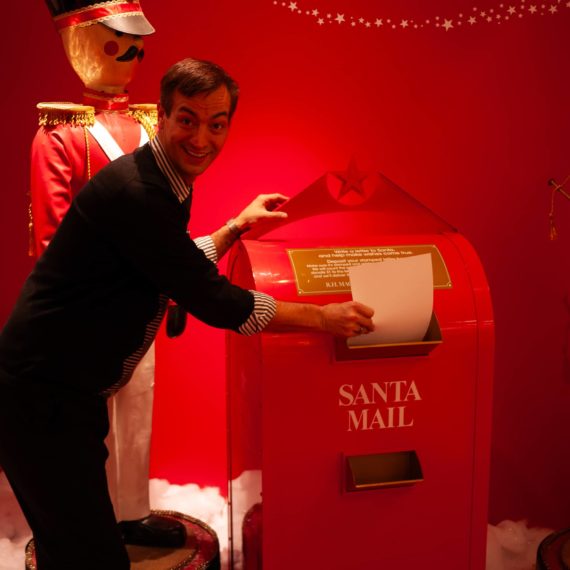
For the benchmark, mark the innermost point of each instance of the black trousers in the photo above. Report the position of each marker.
(53, 452)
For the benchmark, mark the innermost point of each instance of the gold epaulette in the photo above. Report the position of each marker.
(147, 115)
(54, 114)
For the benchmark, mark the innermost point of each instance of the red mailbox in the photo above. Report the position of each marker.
(360, 458)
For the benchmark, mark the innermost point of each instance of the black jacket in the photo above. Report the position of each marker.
(95, 297)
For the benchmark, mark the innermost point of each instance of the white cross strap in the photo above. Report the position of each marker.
(108, 144)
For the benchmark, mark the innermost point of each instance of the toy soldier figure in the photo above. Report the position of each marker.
(103, 42)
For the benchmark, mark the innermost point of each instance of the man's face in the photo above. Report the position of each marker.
(104, 59)
(195, 131)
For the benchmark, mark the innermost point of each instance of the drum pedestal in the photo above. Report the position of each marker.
(201, 551)
(554, 552)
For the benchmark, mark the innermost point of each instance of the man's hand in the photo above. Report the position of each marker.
(260, 209)
(341, 319)
(347, 319)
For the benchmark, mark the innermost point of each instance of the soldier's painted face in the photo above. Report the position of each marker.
(104, 59)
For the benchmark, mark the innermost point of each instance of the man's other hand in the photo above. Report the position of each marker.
(262, 208)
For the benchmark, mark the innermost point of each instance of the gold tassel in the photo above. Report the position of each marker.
(87, 153)
(560, 189)
(147, 116)
(553, 230)
(31, 242)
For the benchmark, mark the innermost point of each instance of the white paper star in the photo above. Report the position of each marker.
(511, 10)
(320, 21)
(483, 14)
(472, 20)
(315, 12)
(447, 24)
(293, 6)
(553, 9)
(368, 24)
(404, 23)
(340, 18)
(378, 22)
(532, 9)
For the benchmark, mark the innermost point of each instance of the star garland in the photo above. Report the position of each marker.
(500, 13)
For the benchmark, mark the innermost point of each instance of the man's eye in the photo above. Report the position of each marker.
(218, 126)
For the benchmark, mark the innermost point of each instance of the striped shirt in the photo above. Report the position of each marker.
(265, 306)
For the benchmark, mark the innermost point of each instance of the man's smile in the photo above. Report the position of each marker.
(195, 154)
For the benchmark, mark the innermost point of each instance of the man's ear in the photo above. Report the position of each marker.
(161, 115)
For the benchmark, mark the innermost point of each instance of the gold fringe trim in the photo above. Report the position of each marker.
(31, 242)
(147, 116)
(54, 114)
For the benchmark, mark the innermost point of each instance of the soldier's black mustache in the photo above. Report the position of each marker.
(131, 53)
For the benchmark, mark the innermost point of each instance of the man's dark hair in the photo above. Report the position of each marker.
(193, 76)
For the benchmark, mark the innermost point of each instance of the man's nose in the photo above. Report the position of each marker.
(200, 136)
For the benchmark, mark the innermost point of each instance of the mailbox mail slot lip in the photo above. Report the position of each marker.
(359, 469)
(423, 343)
(432, 339)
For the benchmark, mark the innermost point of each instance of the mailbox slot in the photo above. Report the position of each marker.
(431, 340)
(382, 470)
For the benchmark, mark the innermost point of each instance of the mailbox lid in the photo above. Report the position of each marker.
(270, 266)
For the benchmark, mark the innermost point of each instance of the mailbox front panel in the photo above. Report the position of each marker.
(367, 463)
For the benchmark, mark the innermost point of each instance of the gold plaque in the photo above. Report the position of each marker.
(325, 270)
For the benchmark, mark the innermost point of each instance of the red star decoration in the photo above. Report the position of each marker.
(351, 179)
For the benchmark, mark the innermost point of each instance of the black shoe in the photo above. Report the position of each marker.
(154, 530)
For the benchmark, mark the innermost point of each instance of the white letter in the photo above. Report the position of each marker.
(378, 420)
(381, 392)
(361, 395)
(398, 384)
(353, 420)
(412, 392)
(401, 421)
(344, 392)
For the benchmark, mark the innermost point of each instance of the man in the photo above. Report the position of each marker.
(103, 42)
(99, 293)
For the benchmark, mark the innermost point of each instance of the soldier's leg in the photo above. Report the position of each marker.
(129, 442)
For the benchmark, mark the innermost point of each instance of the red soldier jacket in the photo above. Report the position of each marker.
(66, 153)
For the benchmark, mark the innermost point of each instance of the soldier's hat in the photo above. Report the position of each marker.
(120, 15)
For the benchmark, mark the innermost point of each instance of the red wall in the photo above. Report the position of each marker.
(472, 122)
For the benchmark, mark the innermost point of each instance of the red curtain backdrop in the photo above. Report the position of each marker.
(470, 117)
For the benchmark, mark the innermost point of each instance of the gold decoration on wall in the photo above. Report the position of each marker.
(556, 188)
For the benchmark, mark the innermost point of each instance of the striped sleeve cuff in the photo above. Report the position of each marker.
(206, 244)
(264, 310)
